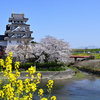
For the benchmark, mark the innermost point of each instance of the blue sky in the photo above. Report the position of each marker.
(75, 21)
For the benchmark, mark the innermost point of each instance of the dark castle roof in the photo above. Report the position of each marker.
(17, 17)
(2, 37)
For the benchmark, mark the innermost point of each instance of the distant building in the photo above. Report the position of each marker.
(16, 32)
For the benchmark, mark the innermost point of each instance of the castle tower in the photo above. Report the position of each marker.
(18, 31)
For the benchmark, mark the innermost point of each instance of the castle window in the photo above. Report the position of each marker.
(9, 34)
(9, 41)
(12, 21)
(26, 28)
(21, 34)
(18, 35)
(17, 41)
(12, 28)
(15, 21)
(23, 22)
(19, 21)
(0, 43)
(27, 35)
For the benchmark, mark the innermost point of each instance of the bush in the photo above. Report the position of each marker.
(57, 68)
(52, 66)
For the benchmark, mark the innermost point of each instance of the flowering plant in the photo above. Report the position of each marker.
(16, 89)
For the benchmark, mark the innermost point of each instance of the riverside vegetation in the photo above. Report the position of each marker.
(91, 66)
(16, 89)
(97, 55)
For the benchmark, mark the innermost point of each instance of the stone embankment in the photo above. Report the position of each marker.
(90, 66)
(51, 75)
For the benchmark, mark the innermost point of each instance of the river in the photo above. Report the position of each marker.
(74, 89)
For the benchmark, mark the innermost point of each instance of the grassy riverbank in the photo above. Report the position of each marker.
(90, 66)
(80, 75)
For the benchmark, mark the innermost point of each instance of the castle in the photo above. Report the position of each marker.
(16, 32)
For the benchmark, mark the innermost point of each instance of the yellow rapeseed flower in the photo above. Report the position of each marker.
(53, 98)
(26, 74)
(1, 94)
(10, 53)
(50, 84)
(0, 82)
(30, 95)
(34, 87)
(32, 70)
(32, 76)
(17, 65)
(40, 93)
(18, 74)
(2, 63)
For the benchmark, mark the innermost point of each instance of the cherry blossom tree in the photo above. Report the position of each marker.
(17, 54)
(51, 49)
(20, 52)
(38, 51)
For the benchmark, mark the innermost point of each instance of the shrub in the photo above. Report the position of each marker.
(41, 66)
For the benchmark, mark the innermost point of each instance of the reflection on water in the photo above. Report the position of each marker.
(86, 89)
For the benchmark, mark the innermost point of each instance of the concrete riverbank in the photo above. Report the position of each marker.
(50, 75)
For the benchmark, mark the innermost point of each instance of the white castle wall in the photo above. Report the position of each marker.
(13, 42)
(3, 43)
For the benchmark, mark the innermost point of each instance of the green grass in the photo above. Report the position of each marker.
(79, 75)
(84, 54)
(97, 55)
(72, 67)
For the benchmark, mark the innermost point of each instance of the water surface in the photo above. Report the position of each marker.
(74, 89)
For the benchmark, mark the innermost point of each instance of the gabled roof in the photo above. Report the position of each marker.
(2, 37)
(21, 29)
(17, 17)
